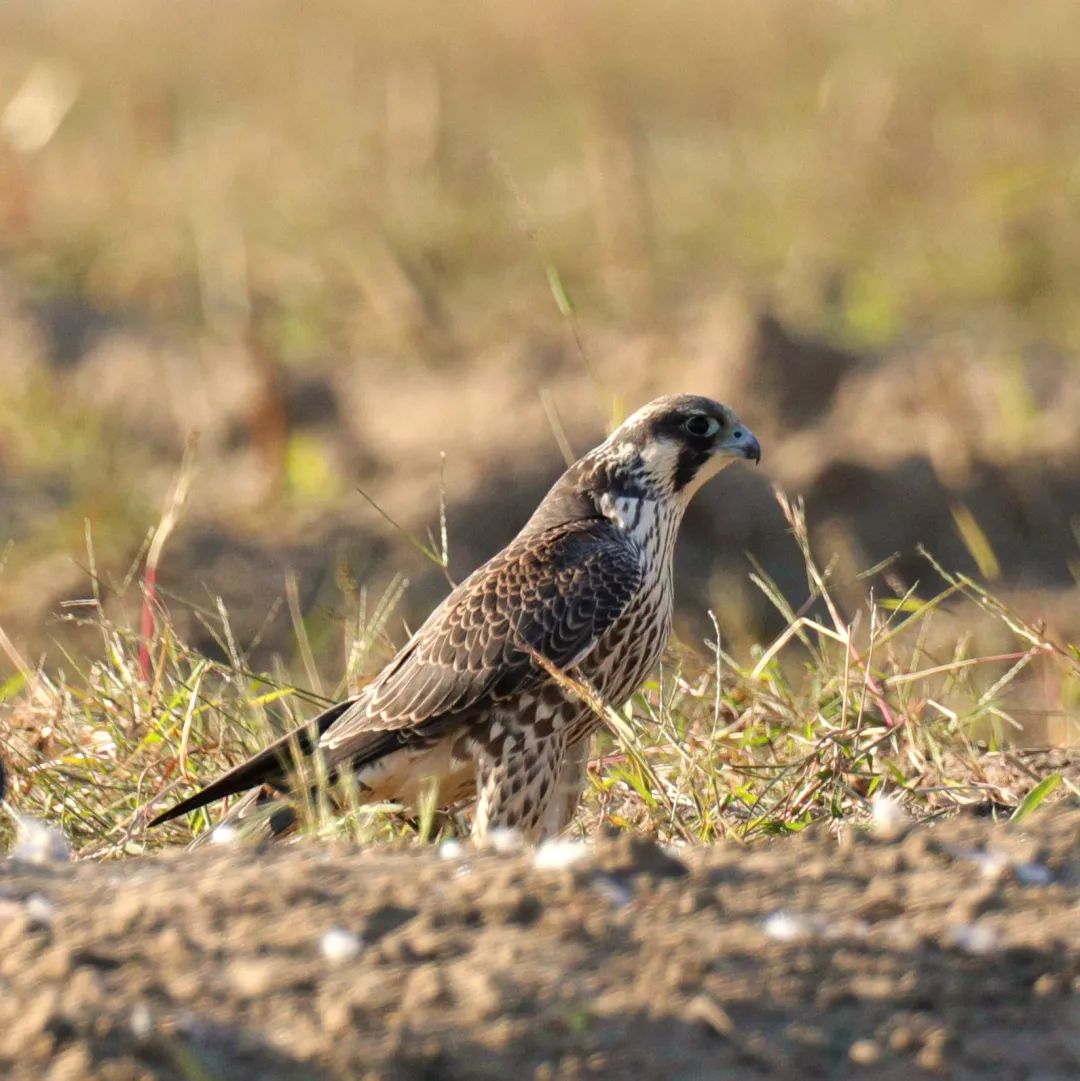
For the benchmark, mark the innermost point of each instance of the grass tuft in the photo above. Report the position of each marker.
(839, 708)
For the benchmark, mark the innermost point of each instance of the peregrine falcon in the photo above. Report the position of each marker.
(481, 701)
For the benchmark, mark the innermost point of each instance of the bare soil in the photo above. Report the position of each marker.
(952, 951)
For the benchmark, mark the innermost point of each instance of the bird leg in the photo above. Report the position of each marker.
(517, 788)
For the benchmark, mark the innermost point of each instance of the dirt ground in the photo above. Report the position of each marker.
(951, 951)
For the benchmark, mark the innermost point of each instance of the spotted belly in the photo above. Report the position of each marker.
(519, 726)
(615, 668)
(625, 655)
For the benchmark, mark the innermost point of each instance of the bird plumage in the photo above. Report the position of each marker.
(473, 702)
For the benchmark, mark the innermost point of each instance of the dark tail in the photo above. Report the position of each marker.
(270, 766)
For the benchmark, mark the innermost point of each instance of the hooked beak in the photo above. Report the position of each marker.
(742, 443)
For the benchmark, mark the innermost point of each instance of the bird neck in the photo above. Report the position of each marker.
(615, 486)
(650, 523)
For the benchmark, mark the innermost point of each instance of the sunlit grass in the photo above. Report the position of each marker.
(812, 726)
(830, 714)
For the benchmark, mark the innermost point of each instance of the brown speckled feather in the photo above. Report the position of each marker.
(555, 593)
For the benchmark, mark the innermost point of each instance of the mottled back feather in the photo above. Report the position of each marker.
(555, 593)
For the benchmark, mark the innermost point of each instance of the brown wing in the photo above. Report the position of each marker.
(554, 593)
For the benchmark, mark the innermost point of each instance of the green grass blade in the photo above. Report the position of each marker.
(1035, 797)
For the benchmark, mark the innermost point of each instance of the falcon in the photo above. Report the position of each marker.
(485, 702)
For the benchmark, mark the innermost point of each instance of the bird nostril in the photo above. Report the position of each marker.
(737, 434)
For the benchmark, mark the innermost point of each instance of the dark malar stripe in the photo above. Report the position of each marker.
(690, 461)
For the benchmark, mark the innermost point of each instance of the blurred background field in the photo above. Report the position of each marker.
(340, 241)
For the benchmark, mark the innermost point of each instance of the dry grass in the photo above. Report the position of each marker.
(830, 714)
(870, 166)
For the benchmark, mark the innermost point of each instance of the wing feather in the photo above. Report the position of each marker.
(555, 593)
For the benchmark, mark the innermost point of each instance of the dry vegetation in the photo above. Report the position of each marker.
(325, 239)
(822, 723)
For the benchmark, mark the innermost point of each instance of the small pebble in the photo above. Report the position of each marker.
(339, 945)
(1049, 983)
(864, 1052)
(252, 977)
(888, 818)
(558, 853)
(1033, 874)
(931, 1056)
(38, 843)
(976, 938)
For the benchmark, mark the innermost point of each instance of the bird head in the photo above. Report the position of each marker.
(669, 448)
(664, 452)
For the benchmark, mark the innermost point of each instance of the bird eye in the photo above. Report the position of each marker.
(701, 427)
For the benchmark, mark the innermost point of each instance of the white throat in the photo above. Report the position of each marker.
(650, 524)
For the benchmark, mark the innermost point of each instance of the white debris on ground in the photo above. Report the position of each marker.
(992, 863)
(225, 834)
(37, 842)
(977, 938)
(615, 888)
(504, 840)
(558, 853)
(995, 864)
(141, 1021)
(338, 945)
(889, 820)
(452, 850)
(40, 910)
(1033, 874)
(785, 926)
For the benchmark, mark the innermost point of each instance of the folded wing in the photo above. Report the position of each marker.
(552, 593)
